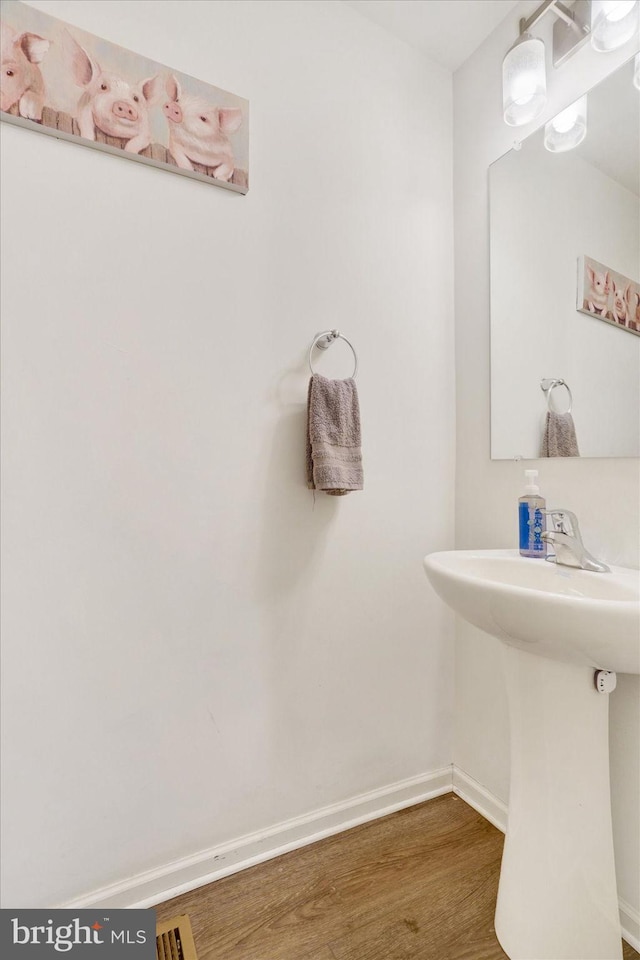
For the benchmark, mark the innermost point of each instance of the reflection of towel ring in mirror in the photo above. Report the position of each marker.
(547, 387)
(325, 339)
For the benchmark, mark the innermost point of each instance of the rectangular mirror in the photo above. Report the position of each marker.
(549, 214)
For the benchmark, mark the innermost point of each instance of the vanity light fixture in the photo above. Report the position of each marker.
(524, 81)
(613, 22)
(568, 128)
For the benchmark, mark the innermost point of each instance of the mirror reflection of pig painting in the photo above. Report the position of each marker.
(199, 131)
(110, 103)
(21, 83)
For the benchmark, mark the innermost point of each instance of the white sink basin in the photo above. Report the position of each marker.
(557, 896)
(550, 610)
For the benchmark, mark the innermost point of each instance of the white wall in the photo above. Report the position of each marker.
(603, 493)
(536, 331)
(193, 649)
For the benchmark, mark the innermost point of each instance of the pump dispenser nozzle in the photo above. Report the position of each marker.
(531, 486)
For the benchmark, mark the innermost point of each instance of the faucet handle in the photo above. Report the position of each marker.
(564, 521)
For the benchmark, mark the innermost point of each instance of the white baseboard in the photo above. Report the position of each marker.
(630, 923)
(171, 879)
(481, 799)
(179, 876)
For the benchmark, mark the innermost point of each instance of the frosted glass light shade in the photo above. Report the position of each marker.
(568, 128)
(613, 22)
(524, 81)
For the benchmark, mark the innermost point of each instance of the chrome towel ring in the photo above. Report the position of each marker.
(324, 340)
(548, 386)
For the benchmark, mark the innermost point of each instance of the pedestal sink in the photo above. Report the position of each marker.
(557, 896)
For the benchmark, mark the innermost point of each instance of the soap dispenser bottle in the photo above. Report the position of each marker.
(531, 518)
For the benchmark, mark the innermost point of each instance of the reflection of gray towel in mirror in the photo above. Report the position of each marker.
(334, 460)
(559, 438)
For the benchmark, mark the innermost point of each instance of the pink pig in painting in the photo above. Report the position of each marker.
(68, 83)
(110, 103)
(199, 131)
(21, 83)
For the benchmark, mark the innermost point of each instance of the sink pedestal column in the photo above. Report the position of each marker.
(557, 898)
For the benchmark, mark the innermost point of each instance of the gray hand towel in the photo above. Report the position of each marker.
(334, 458)
(559, 438)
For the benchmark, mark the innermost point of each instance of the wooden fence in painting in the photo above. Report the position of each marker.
(64, 122)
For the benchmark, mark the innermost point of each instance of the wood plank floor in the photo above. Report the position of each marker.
(420, 884)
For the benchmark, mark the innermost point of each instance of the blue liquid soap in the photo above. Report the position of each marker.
(531, 519)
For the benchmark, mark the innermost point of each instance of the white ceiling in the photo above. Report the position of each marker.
(447, 30)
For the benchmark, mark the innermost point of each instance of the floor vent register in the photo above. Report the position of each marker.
(174, 939)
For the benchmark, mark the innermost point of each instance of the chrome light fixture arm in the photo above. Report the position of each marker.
(571, 17)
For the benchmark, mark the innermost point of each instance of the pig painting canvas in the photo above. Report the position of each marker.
(62, 81)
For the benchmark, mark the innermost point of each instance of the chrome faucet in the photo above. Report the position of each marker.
(567, 542)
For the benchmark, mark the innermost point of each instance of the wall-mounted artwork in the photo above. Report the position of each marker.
(608, 295)
(70, 84)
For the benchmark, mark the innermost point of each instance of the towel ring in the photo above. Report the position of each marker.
(325, 339)
(547, 387)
